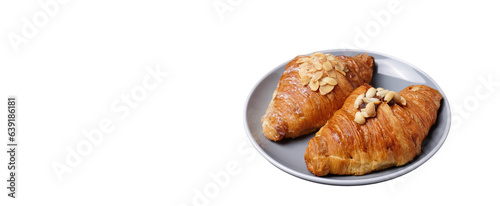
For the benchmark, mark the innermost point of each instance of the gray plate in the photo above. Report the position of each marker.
(288, 154)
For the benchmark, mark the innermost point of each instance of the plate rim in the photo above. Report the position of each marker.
(445, 106)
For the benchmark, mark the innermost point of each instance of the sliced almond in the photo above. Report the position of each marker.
(327, 66)
(370, 109)
(319, 55)
(303, 71)
(302, 65)
(332, 73)
(371, 92)
(314, 85)
(325, 89)
(302, 60)
(319, 71)
(317, 65)
(330, 57)
(316, 75)
(342, 72)
(334, 82)
(329, 80)
(380, 89)
(322, 82)
(388, 97)
(340, 66)
(358, 118)
(305, 80)
(358, 100)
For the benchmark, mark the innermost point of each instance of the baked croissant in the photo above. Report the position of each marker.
(350, 144)
(310, 90)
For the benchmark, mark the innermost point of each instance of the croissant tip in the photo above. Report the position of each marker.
(270, 132)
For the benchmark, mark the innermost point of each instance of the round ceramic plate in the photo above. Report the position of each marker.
(288, 154)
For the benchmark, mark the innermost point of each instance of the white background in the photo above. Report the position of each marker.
(87, 54)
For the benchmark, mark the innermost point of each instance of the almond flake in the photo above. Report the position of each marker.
(325, 89)
(314, 85)
(317, 65)
(329, 80)
(302, 60)
(305, 80)
(316, 75)
(332, 74)
(327, 66)
(319, 71)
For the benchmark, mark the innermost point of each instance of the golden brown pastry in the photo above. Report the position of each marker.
(310, 90)
(358, 140)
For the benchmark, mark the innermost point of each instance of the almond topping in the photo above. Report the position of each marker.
(319, 55)
(316, 75)
(325, 89)
(341, 68)
(332, 73)
(320, 70)
(322, 82)
(359, 100)
(374, 100)
(330, 58)
(371, 92)
(368, 102)
(342, 72)
(305, 80)
(317, 66)
(302, 60)
(365, 100)
(314, 85)
(330, 81)
(327, 66)
(303, 70)
(370, 109)
(382, 93)
(403, 101)
(397, 97)
(358, 118)
(364, 114)
(388, 97)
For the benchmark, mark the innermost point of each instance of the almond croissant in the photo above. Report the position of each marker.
(392, 136)
(310, 90)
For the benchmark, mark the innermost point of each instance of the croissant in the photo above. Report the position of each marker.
(310, 90)
(350, 144)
